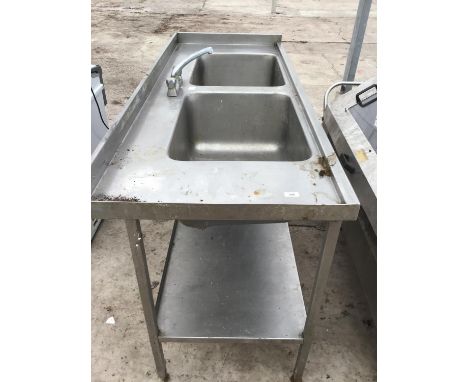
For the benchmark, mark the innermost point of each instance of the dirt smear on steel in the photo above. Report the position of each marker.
(119, 198)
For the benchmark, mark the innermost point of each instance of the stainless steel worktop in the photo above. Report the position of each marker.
(141, 171)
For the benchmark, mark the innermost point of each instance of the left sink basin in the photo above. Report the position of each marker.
(236, 126)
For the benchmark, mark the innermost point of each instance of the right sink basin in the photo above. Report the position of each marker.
(236, 126)
(237, 70)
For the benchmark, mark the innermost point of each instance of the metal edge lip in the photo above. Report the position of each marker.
(228, 38)
(341, 181)
(238, 212)
(295, 340)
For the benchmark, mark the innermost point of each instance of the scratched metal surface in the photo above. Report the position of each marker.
(140, 180)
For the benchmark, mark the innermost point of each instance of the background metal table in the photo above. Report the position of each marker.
(351, 122)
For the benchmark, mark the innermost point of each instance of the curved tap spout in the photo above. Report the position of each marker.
(177, 70)
(175, 82)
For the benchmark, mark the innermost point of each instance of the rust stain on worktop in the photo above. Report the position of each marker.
(326, 162)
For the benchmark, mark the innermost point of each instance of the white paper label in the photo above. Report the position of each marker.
(110, 321)
(291, 194)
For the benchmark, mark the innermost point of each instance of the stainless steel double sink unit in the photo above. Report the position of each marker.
(221, 139)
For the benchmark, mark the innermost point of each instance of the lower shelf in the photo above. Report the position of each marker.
(231, 283)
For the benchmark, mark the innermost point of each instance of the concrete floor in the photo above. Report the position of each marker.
(126, 39)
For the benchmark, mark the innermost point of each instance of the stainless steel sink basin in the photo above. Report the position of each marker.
(237, 70)
(238, 127)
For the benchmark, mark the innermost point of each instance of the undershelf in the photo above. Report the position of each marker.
(231, 282)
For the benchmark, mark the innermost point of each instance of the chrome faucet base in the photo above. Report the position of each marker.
(173, 86)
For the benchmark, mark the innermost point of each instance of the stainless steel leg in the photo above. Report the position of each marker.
(135, 238)
(321, 277)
